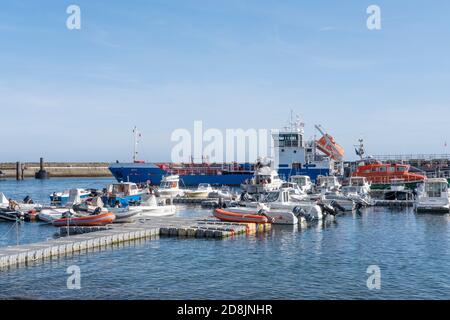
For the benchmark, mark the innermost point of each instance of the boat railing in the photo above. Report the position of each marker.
(439, 174)
(205, 169)
(412, 157)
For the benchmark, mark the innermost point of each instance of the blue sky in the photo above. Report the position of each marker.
(160, 65)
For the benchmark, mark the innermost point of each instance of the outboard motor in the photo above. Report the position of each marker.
(300, 212)
(67, 214)
(328, 209)
(359, 206)
(336, 206)
(28, 200)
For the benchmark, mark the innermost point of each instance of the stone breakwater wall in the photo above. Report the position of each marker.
(58, 169)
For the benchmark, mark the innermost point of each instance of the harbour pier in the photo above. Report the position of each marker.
(82, 239)
(21, 170)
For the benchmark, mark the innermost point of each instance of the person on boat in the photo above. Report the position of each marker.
(13, 205)
(414, 193)
(117, 204)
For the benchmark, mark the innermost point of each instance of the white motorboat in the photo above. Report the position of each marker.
(296, 194)
(223, 193)
(50, 214)
(260, 214)
(60, 198)
(433, 196)
(7, 214)
(357, 185)
(170, 187)
(281, 199)
(151, 206)
(265, 179)
(22, 206)
(128, 214)
(202, 191)
(345, 203)
(303, 182)
(122, 193)
(328, 184)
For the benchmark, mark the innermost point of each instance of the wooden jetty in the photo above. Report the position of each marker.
(80, 239)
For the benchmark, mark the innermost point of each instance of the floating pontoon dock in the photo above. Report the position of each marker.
(79, 239)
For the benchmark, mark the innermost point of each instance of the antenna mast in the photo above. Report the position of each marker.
(135, 143)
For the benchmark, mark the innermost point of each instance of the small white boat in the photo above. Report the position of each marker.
(18, 205)
(281, 199)
(203, 191)
(51, 214)
(260, 214)
(10, 215)
(61, 198)
(170, 187)
(223, 193)
(357, 185)
(346, 203)
(328, 184)
(295, 193)
(265, 179)
(151, 207)
(303, 182)
(128, 214)
(122, 193)
(433, 196)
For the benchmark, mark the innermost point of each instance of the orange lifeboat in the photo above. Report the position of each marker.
(328, 146)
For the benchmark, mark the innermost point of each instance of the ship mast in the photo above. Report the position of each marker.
(136, 135)
(360, 151)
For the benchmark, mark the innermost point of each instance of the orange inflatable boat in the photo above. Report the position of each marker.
(249, 217)
(91, 220)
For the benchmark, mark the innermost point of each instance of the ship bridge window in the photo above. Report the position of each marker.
(289, 140)
(383, 169)
(391, 169)
(374, 169)
(401, 169)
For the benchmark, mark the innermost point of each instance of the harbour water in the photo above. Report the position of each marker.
(320, 262)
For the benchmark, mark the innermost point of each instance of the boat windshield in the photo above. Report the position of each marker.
(272, 196)
(357, 182)
(350, 189)
(434, 190)
(168, 184)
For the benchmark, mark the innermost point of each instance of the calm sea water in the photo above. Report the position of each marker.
(320, 262)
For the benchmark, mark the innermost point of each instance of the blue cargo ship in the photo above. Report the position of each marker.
(295, 157)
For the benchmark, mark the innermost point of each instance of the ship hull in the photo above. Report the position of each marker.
(153, 174)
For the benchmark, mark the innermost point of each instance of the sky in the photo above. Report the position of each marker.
(75, 95)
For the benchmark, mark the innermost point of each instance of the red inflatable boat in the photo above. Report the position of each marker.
(243, 216)
(88, 221)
